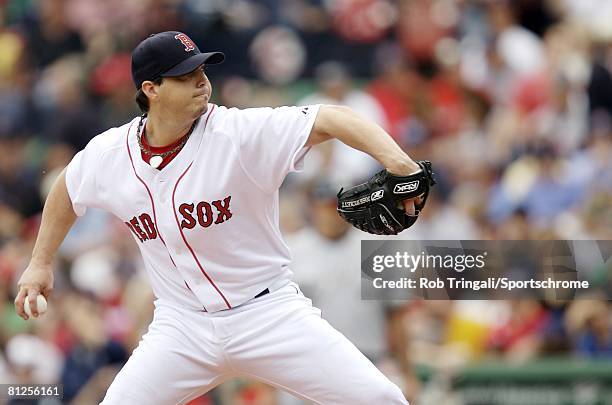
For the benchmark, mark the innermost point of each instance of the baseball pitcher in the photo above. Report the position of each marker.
(197, 186)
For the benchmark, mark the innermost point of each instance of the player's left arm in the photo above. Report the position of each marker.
(359, 133)
(344, 124)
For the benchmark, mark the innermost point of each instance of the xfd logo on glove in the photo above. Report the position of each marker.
(377, 195)
(402, 188)
(205, 213)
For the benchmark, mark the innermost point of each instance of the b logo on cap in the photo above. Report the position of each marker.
(185, 40)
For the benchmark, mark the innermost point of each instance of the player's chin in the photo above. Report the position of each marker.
(200, 108)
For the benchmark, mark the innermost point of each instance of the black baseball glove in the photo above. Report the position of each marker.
(376, 206)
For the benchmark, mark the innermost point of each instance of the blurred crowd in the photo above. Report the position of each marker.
(511, 101)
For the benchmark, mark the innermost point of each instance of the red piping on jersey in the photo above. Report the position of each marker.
(148, 191)
(195, 257)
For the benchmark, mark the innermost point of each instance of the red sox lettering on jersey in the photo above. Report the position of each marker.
(143, 227)
(203, 213)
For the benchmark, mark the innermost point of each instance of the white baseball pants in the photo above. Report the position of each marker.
(279, 339)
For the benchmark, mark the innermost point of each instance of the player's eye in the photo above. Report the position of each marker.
(196, 74)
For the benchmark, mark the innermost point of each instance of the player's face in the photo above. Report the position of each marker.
(186, 96)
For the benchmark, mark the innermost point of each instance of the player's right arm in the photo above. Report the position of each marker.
(57, 218)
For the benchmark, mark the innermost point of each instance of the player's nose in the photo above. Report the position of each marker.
(201, 81)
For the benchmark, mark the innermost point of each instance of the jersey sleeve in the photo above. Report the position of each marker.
(272, 142)
(81, 178)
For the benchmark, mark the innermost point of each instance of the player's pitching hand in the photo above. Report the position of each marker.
(36, 279)
(405, 169)
(409, 205)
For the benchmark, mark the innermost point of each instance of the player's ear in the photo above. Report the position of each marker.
(150, 89)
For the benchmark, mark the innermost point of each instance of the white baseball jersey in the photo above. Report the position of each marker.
(207, 224)
(207, 227)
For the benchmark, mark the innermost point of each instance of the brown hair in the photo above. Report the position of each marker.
(141, 98)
